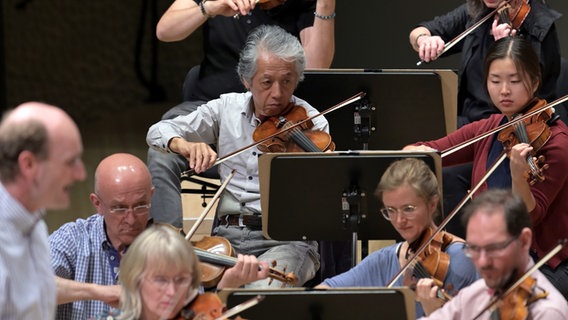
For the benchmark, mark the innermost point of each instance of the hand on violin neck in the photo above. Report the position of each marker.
(428, 296)
(501, 30)
(518, 158)
(230, 8)
(247, 269)
(199, 155)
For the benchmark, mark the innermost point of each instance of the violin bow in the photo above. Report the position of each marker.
(527, 115)
(241, 307)
(209, 206)
(527, 274)
(342, 104)
(469, 30)
(443, 224)
(500, 159)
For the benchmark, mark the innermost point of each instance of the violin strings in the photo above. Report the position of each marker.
(522, 134)
(420, 271)
(303, 141)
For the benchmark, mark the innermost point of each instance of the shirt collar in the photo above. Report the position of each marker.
(248, 107)
(16, 214)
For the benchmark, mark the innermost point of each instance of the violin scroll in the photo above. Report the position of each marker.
(536, 174)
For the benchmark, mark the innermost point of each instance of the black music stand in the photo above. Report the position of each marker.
(328, 196)
(400, 106)
(328, 304)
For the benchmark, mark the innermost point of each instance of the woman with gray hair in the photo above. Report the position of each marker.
(158, 257)
(159, 276)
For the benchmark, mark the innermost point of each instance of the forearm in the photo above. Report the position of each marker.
(71, 291)
(521, 187)
(319, 40)
(160, 135)
(180, 21)
(174, 144)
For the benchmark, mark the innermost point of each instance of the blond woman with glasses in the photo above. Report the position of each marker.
(410, 197)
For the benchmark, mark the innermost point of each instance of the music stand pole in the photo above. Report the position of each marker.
(351, 203)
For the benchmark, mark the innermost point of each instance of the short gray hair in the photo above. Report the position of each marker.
(273, 40)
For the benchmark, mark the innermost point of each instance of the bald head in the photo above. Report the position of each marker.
(122, 181)
(40, 155)
(56, 121)
(121, 171)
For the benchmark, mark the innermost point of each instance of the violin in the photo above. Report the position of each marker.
(216, 254)
(204, 307)
(514, 12)
(514, 15)
(513, 303)
(432, 262)
(265, 5)
(298, 139)
(208, 306)
(269, 4)
(354, 98)
(534, 131)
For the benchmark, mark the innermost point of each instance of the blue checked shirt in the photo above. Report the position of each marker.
(80, 251)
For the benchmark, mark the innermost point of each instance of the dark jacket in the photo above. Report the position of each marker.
(473, 100)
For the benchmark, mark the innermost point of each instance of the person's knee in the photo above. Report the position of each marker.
(164, 160)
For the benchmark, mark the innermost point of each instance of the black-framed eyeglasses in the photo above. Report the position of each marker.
(491, 250)
(121, 210)
(408, 211)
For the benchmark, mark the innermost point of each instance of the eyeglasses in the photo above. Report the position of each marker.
(162, 282)
(121, 210)
(408, 211)
(491, 250)
(138, 210)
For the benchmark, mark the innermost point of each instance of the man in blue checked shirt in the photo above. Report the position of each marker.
(86, 254)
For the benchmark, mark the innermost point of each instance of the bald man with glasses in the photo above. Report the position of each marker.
(86, 253)
(498, 239)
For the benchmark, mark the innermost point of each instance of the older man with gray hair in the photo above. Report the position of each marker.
(40, 158)
(270, 66)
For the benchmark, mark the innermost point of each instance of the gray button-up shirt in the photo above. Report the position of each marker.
(228, 122)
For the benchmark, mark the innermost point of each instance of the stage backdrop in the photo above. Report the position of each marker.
(91, 56)
(100, 61)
